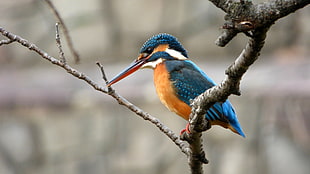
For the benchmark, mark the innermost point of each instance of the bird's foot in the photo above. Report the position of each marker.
(185, 130)
(185, 133)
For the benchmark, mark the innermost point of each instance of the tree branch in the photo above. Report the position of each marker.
(263, 13)
(65, 30)
(122, 101)
(244, 16)
(229, 86)
(255, 21)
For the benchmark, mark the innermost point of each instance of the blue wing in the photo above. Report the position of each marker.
(189, 82)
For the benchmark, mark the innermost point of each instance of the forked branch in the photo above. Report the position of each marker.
(254, 21)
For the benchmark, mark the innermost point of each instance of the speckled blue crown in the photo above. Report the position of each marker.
(164, 38)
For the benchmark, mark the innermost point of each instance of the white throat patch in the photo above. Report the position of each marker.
(175, 54)
(152, 64)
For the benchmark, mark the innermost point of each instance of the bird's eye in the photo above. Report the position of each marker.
(149, 50)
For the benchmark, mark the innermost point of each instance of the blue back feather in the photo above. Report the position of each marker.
(189, 82)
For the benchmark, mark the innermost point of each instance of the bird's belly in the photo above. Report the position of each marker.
(167, 94)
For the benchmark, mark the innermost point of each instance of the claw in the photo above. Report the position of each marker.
(186, 129)
(182, 131)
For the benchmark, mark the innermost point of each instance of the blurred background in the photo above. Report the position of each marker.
(51, 122)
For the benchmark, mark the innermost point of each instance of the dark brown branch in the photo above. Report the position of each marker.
(245, 16)
(14, 38)
(234, 73)
(65, 30)
(255, 21)
(229, 86)
(264, 13)
(225, 37)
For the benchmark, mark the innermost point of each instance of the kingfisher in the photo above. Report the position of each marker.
(178, 80)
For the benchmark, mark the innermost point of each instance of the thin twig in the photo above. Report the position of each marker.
(104, 77)
(181, 144)
(58, 43)
(6, 41)
(43, 54)
(65, 30)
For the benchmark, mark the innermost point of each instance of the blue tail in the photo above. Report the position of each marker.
(229, 112)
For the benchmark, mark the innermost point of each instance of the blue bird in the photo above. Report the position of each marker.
(178, 80)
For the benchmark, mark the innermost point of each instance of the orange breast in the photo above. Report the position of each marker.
(167, 93)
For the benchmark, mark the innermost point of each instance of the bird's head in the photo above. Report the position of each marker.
(157, 49)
